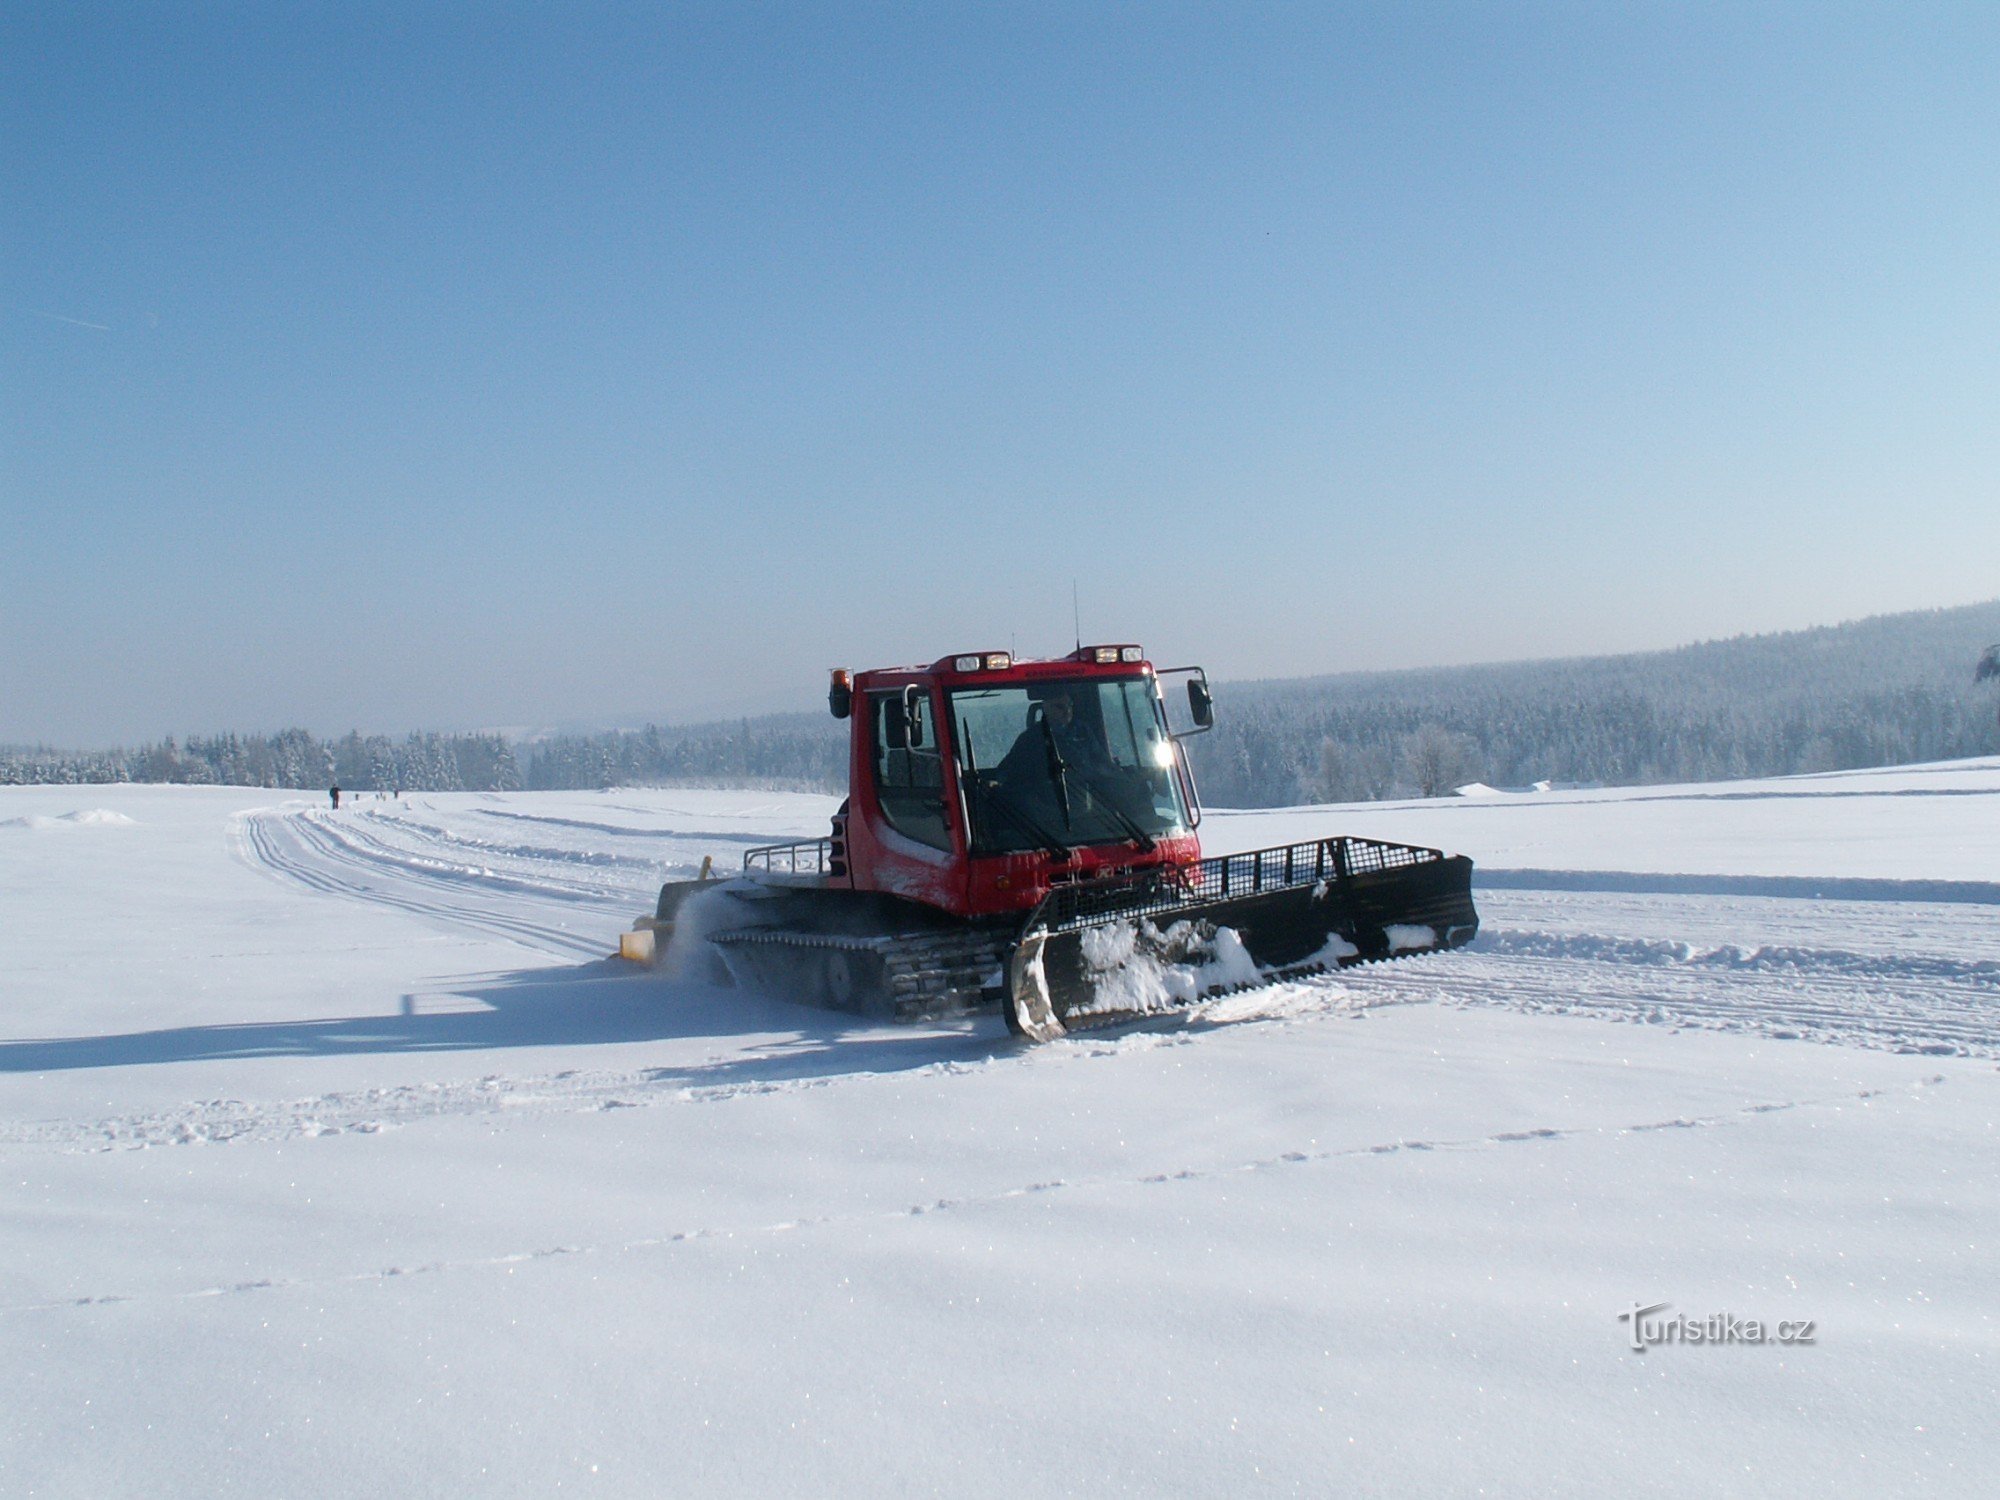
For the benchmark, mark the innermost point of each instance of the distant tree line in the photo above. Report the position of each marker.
(290, 758)
(801, 752)
(1884, 691)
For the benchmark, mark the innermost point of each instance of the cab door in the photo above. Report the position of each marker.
(915, 847)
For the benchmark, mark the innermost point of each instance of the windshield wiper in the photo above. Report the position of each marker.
(1058, 772)
(1126, 821)
(993, 794)
(1004, 800)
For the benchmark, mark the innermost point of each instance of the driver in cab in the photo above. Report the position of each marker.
(1060, 767)
(1055, 733)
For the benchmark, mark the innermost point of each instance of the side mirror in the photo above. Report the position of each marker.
(840, 696)
(1201, 707)
(895, 724)
(913, 714)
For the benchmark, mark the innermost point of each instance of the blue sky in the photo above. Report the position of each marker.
(459, 366)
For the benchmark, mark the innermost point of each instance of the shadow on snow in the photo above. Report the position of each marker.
(594, 1004)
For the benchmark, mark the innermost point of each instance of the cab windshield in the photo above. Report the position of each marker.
(1053, 765)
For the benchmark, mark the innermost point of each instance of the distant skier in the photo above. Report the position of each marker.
(334, 792)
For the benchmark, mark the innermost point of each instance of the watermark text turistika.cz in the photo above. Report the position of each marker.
(1649, 1328)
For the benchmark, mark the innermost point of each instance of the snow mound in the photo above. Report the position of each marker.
(101, 817)
(1333, 951)
(1409, 937)
(1171, 969)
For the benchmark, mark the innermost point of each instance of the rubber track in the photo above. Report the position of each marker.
(935, 975)
(929, 975)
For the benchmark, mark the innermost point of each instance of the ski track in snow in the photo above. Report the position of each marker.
(1285, 1160)
(652, 835)
(544, 899)
(1904, 976)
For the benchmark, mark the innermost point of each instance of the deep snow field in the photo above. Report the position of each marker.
(338, 1160)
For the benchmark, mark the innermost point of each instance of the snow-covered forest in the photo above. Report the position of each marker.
(792, 752)
(290, 758)
(1883, 691)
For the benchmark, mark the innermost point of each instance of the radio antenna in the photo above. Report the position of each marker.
(1076, 614)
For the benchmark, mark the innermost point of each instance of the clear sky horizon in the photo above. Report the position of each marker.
(452, 366)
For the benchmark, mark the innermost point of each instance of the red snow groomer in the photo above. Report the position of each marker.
(1022, 834)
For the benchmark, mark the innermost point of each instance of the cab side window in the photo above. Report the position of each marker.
(909, 778)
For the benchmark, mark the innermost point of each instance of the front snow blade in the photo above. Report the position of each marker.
(1094, 955)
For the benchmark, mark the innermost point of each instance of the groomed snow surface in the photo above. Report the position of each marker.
(339, 1160)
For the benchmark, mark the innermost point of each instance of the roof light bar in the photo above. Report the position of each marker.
(991, 661)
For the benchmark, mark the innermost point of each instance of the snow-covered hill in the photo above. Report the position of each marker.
(339, 1159)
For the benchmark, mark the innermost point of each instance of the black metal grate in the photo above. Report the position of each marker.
(1068, 907)
(810, 857)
